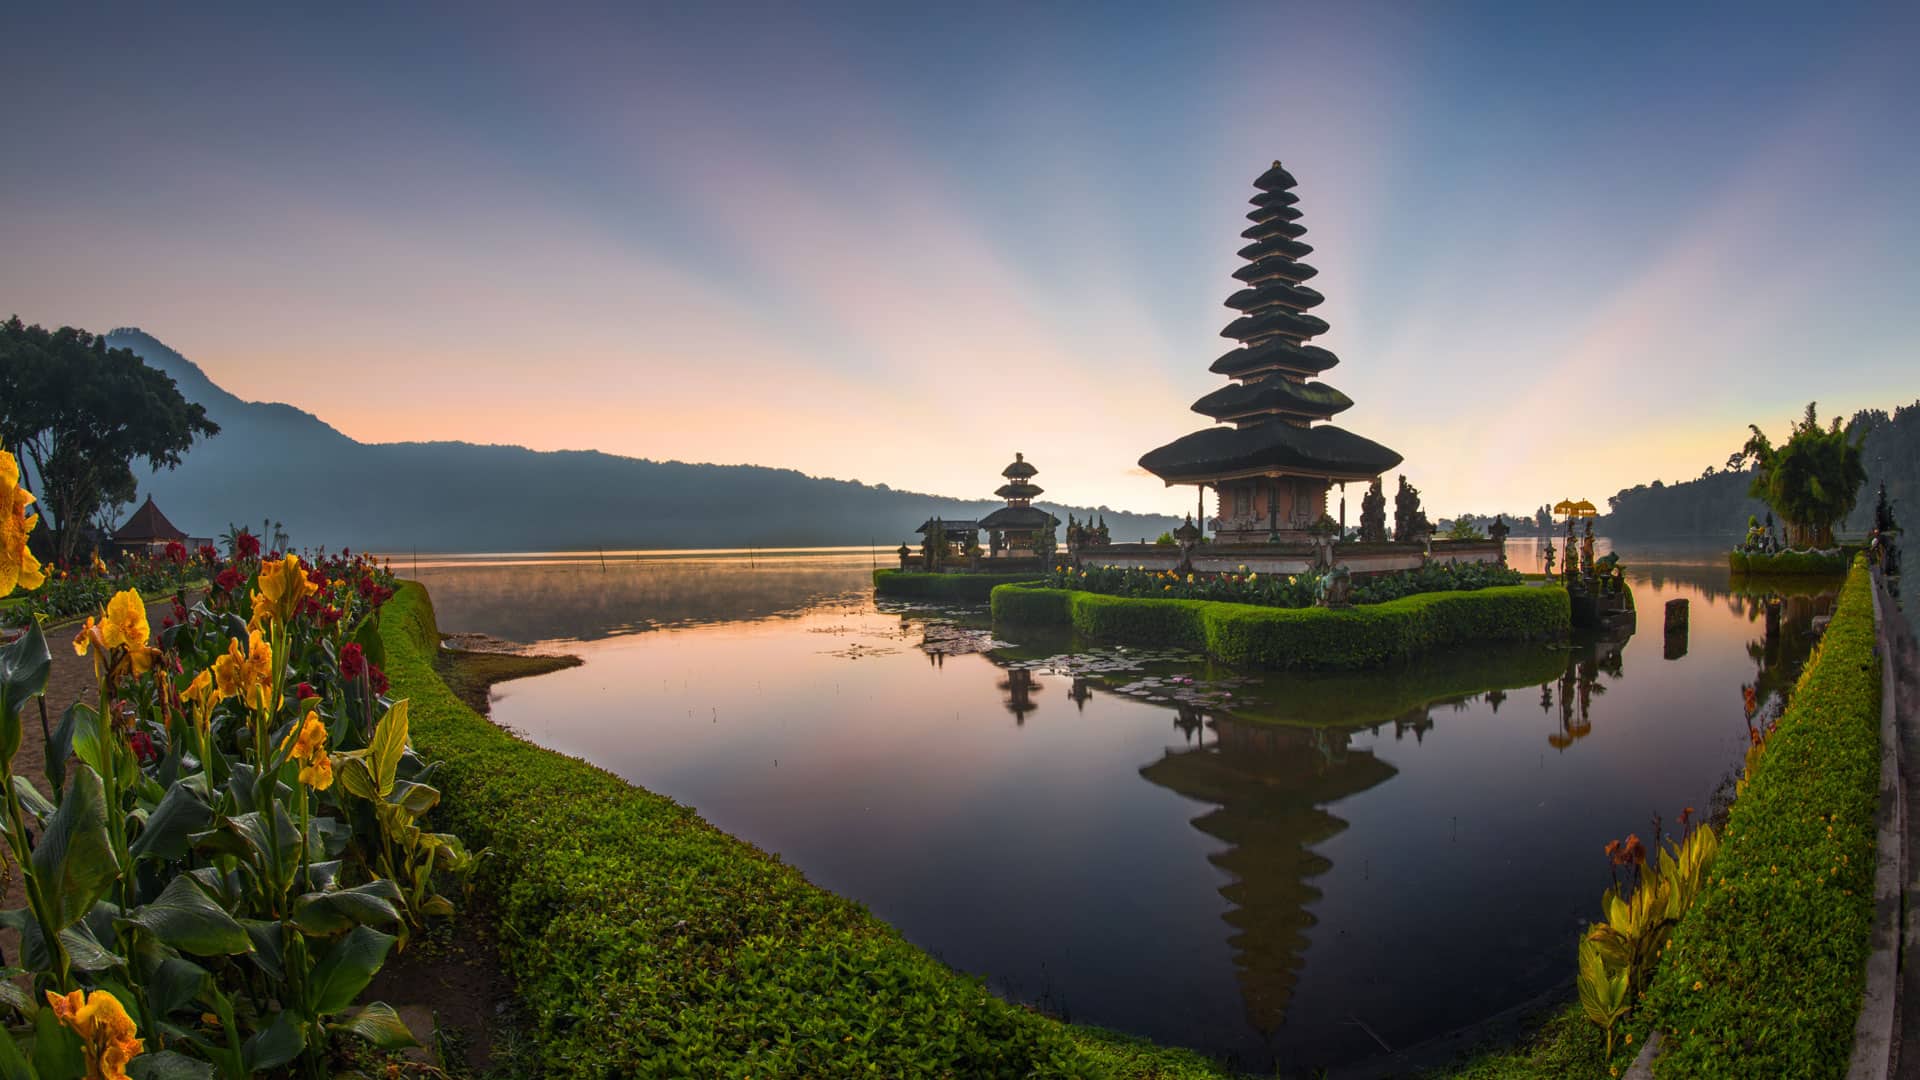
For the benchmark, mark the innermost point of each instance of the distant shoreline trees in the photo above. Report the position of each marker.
(82, 414)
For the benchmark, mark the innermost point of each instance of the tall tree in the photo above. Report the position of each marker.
(83, 414)
(1811, 481)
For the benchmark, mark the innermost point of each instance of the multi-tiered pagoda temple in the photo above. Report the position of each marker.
(1273, 456)
(1013, 529)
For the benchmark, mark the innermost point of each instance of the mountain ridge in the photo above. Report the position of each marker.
(278, 461)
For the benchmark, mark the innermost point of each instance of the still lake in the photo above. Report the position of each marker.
(1276, 869)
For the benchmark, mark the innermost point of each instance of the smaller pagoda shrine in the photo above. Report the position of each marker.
(148, 532)
(1014, 529)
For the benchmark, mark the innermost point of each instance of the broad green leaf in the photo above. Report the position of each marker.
(89, 743)
(30, 798)
(60, 744)
(380, 1025)
(367, 636)
(14, 994)
(268, 948)
(346, 968)
(84, 949)
(280, 1043)
(338, 910)
(169, 1065)
(388, 743)
(23, 676)
(56, 1049)
(170, 828)
(187, 919)
(13, 1064)
(416, 798)
(74, 860)
(175, 984)
(351, 770)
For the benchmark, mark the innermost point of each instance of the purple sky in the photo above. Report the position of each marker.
(1564, 252)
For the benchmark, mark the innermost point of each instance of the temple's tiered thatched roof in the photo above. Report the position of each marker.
(1279, 416)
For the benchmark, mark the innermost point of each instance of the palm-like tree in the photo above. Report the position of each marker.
(1811, 481)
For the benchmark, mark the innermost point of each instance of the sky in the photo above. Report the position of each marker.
(1565, 248)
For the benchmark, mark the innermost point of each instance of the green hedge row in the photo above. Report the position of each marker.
(1785, 562)
(952, 588)
(1248, 635)
(1767, 968)
(645, 942)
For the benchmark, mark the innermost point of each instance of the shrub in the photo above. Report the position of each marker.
(1766, 970)
(1278, 590)
(946, 588)
(1787, 562)
(1249, 635)
(645, 942)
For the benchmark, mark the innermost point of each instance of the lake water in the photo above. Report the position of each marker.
(1292, 870)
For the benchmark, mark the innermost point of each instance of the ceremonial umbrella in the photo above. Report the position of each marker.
(1581, 509)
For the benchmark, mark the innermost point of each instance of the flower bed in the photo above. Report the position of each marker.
(645, 942)
(219, 874)
(1250, 635)
(66, 593)
(1787, 562)
(1279, 590)
(947, 588)
(1766, 971)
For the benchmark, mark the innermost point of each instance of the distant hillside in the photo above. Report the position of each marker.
(275, 461)
(1716, 504)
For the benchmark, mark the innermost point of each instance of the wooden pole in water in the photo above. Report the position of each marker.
(1676, 629)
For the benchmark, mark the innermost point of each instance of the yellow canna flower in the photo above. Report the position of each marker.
(18, 567)
(126, 628)
(309, 743)
(283, 585)
(249, 675)
(203, 693)
(108, 1035)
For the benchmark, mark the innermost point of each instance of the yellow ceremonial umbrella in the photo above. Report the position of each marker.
(1581, 509)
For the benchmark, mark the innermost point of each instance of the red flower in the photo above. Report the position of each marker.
(378, 679)
(143, 747)
(208, 555)
(176, 552)
(228, 580)
(246, 545)
(353, 661)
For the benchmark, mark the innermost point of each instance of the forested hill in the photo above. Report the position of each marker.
(276, 461)
(1716, 503)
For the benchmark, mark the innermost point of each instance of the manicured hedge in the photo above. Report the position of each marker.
(951, 588)
(1248, 635)
(1786, 562)
(645, 942)
(1767, 968)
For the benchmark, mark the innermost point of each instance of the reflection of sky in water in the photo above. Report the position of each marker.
(1182, 868)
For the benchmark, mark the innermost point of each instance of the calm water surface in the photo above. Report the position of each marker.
(1287, 870)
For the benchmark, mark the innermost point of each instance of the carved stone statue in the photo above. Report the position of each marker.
(1406, 511)
(1335, 589)
(1373, 514)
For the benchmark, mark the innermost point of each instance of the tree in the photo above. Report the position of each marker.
(83, 414)
(1811, 481)
(1463, 528)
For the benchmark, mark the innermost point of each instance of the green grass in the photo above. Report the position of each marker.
(645, 942)
(949, 588)
(1249, 635)
(1777, 945)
